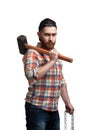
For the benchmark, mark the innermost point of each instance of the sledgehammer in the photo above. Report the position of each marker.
(24, 46)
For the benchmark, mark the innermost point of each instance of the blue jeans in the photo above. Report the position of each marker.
(38, 119)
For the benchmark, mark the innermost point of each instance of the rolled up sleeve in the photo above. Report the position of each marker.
(30, 74)
(30, 65)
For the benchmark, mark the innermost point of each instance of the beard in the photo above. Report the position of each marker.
(47, 45)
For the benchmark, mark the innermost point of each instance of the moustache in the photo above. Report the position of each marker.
(51, 43)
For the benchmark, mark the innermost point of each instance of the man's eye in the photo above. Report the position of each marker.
(46, 34)
(54, 34)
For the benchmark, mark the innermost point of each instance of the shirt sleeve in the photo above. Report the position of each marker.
(62, 80)
(30, 64)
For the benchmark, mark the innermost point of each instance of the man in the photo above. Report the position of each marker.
(46, 82)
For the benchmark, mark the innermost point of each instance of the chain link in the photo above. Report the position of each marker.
(72, 121)
(65, 121)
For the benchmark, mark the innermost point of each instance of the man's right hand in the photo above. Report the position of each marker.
(53, 55)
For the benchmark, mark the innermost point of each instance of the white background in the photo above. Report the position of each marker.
(23, 17)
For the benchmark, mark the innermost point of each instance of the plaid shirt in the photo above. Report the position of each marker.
(43, 92)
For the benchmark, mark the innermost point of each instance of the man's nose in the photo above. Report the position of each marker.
(50, 37)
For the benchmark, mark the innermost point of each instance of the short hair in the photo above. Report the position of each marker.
(47, 22)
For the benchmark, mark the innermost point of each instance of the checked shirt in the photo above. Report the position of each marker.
(44, 92)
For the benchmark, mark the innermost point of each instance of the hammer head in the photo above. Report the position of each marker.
(21, 41)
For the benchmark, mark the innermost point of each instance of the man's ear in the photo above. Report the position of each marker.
(38, 33)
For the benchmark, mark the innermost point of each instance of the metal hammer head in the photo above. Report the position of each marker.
(21, 41)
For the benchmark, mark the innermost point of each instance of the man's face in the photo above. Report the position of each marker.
(47, 36)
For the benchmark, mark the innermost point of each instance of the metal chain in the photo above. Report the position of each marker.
(72, 121)
(65, 121)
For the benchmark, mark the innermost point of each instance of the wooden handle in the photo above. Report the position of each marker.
(43, 51)
(65, 58)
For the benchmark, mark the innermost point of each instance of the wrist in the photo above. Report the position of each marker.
(52, 62)
(67, 102)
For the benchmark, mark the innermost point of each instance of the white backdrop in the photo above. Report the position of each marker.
(22, 17)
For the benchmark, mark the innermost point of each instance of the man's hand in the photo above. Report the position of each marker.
(66, 99)
(53, 55)
(69, 108)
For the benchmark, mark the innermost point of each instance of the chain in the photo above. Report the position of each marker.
(72, 121)
(65, 121)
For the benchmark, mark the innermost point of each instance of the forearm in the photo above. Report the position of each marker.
(42, 70)
(64, 95)
(45, 68)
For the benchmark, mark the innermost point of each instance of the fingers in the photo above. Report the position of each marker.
(70, 110)
(53, 54)
(53, 51)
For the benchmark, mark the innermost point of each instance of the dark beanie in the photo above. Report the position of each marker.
(47, 23)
